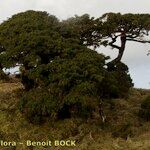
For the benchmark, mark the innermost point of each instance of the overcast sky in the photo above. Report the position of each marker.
(135, 55)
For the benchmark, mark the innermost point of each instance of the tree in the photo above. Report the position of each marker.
(110, 28)
(61, 75)
(127, 27)
(73, 86)
(30, 38)
(27, 38)
(84, 28)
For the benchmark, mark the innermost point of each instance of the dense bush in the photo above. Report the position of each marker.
(70, 87)
(37, 104)
(65, 87)
(144, 112)
(117, 82)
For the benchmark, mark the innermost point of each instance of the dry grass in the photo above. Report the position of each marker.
(88, 135)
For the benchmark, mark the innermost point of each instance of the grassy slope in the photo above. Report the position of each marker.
(122, 121)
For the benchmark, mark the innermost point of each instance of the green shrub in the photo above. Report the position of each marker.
(38, 104)
(65, 88)
(117, 82)
(72, 86)
(144, 112)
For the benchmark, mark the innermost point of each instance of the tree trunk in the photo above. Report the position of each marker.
(112, 64)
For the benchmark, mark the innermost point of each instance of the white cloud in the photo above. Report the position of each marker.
(67, 8)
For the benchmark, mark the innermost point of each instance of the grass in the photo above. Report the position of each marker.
(124, 130)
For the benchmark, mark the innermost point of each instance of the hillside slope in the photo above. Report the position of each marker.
(123, 129)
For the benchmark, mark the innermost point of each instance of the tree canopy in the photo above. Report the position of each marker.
(28, 38)
(85, 28)
(34, 36)
(110, 28)
(126, 27)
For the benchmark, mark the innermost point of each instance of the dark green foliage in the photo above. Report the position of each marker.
(65, 87)
(61, 76)
(82, 28)
(117, 82)
(31, 39)
(146, 103)
(72, 86)
(37, 104)
(28, 38)
(144, 112)
(124, 27)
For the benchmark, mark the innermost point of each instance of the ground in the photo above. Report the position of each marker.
(124, 130)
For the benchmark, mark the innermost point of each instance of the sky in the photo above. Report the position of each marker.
(135, 55)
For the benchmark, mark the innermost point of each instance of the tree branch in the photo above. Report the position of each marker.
(113, 41)
(114, 46)
(136, 40)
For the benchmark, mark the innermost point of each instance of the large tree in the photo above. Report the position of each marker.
(73, 86)
(111, 28)
(28, 38)
(58, 70)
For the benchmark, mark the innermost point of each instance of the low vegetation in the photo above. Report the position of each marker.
(144, 112)
(123, 128)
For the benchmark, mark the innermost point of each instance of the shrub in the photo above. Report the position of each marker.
(71, 87)
(37, 104)
(65, 88)
(117, 82)
(144, 112)
(82, 100)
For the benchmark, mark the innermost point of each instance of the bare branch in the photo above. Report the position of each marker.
(114, 46)
(114, 37)
(136, 40)
(132, 36)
